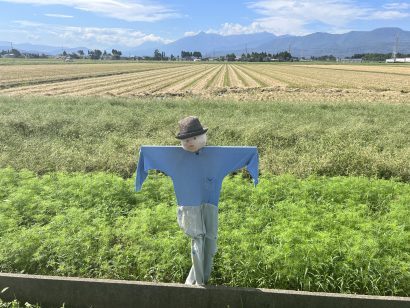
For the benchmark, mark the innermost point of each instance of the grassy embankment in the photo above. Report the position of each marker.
(341, 234)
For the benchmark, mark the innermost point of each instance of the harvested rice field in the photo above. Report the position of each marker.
(240, 81)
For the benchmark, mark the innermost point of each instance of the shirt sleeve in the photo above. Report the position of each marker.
(153, 158)
(243, 157)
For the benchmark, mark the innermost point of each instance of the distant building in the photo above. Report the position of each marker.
(191, 58)
(398, 60)
(9, 55)
(347, 60)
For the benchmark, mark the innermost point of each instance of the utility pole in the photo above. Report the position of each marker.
(396, 48)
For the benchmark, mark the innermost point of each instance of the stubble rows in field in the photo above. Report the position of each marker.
(17, 75)
(355, 77)
(98, 85)
(242, 81)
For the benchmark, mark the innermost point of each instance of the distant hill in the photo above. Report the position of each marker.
(48, 50)
(316, 44)
(211, 44)
(341, 45)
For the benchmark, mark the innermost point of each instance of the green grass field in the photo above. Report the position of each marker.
(97, 134)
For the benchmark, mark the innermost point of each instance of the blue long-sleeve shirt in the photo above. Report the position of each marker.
(197, 177)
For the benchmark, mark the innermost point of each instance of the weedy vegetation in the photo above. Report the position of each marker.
(96, 134)
(340, 234)
(15, 303)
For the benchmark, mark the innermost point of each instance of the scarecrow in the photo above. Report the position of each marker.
(197, 172)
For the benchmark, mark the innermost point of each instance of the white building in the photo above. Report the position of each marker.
(345, 60)
(398, 60)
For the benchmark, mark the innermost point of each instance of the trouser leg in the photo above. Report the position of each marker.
(196, 274)
(191, 276)
(191, 221)
(209, 253)
(200, 223)
(210, 215)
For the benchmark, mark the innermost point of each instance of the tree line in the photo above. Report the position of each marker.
(95, 54)
(185, 55)
(17, 54)
(283, 56)
(378, 57)
(260, 57)
(249, 57)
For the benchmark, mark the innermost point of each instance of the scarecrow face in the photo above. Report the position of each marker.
(194, 144)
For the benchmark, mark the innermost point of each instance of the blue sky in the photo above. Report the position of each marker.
(129, 23)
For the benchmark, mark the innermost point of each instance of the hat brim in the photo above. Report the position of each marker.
(191, 134)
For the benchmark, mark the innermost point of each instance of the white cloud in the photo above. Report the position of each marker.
(129, 10)
(58, 15)
(92, 37)
(28, 23)
(388, 15)
(191, 33)
(300, 17)
(232, 29)
(397, 6)
(332, 12)
(108, 36)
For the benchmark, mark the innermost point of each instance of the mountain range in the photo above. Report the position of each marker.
(382, 40)
(40, 49)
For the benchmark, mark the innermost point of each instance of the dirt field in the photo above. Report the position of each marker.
(242, 81)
